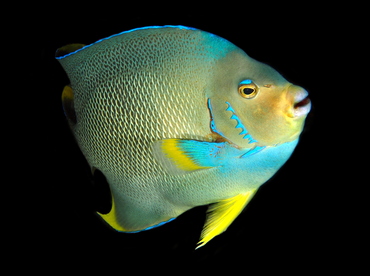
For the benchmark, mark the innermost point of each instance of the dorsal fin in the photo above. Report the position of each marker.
(68, 49)
(222, 214)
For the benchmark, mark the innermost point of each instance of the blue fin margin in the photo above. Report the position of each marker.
(125, 32)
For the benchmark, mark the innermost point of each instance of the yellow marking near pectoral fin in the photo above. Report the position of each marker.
(111, 218)
(183, 153)
(222, 214)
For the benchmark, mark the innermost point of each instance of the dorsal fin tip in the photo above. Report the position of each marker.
(68, 50)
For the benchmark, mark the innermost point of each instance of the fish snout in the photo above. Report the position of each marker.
(301, 101)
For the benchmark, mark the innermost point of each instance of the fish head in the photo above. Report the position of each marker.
(253, 105)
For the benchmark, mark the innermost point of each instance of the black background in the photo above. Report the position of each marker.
(297, 222)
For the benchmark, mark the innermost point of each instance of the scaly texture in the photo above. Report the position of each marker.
(138, 89)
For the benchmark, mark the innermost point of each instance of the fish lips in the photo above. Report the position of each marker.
(302, 104)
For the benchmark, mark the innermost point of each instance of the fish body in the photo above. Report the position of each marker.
(176, 117)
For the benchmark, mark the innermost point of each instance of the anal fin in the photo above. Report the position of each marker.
(111, 218)
(222, 214)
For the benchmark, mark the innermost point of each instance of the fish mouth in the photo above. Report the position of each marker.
(302, 105)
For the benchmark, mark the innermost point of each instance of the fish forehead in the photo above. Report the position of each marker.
(239, 66)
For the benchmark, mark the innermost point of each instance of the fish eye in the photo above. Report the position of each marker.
(247, 89)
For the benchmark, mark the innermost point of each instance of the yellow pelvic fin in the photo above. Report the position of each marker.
(222, 214)
(111, 218)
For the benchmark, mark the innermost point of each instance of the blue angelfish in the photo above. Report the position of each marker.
(175, 117)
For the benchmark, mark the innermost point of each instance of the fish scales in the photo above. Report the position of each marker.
(131, 160)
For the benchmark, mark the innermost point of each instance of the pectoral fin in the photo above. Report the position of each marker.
(222, 214)
(185, 156)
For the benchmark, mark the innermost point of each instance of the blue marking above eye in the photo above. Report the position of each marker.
(246, 82)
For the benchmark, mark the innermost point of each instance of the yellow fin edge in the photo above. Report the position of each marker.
(111, 219)
(222, 214)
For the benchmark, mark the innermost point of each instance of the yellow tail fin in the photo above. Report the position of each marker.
(222, 214)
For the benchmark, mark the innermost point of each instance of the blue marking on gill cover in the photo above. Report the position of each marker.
(253, 151)
(213, 124)
(129, 31)
(240, 124)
